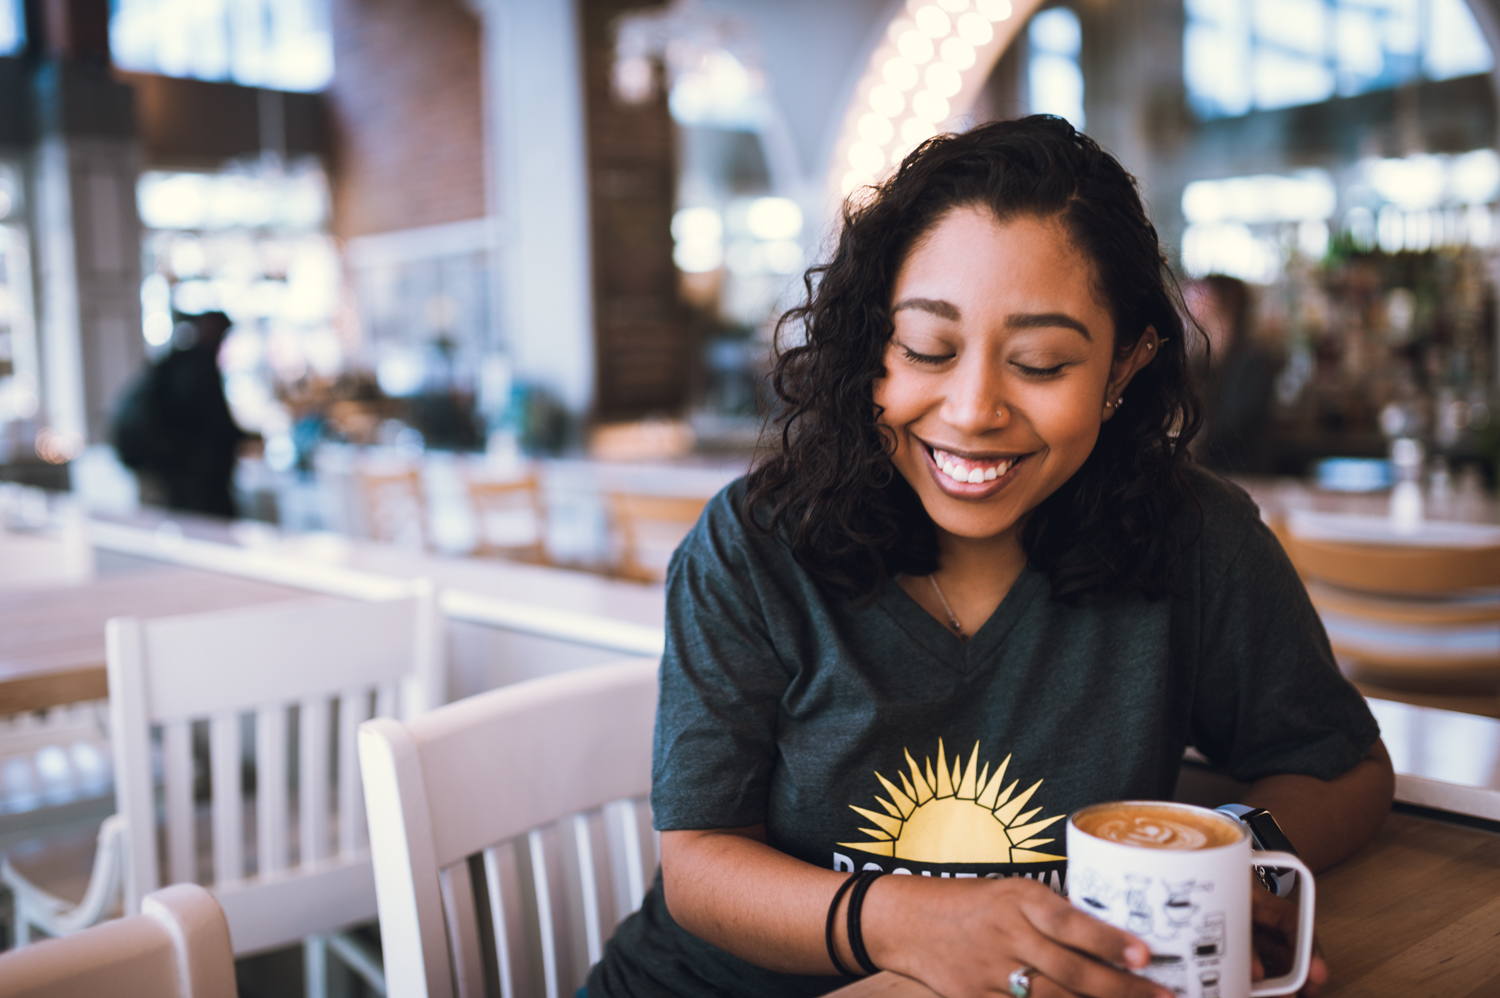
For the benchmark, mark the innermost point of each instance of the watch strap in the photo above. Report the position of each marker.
(1265, 836)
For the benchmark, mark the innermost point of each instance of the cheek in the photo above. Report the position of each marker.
(893, 399)
(1068, 420)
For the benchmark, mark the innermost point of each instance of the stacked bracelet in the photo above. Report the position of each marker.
(860, 882)
(856, 935)
(833, 910)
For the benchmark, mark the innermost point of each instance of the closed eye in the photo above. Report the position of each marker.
(1039, 372)
(923, 358)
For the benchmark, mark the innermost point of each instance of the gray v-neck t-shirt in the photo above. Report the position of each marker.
(867, 736)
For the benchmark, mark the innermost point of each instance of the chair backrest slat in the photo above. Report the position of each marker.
(588, 887)
(315, 773)
(271, 811)
(501, 870)
(541, 879)
(627, 864)
(131, 735)
(354, 710)
(459, 909)
(224, 745)
(387, 704)
(177, 775)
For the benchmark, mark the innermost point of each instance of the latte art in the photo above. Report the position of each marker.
(1151, 826)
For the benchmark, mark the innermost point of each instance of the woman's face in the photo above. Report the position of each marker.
(999, 369)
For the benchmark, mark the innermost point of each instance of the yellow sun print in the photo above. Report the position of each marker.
(957, 815)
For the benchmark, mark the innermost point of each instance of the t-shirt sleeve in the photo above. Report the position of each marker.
(721, 684)
(1269, 698)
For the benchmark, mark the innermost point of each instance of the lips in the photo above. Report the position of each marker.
(969, 470)
(971, 477)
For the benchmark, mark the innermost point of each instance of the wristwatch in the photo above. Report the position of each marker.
(1265, 836)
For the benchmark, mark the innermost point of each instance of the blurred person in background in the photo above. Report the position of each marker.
(174, 428)
(1236, 376)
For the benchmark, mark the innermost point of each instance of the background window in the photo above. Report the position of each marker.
(1240, 55)
(12, 27)
(1053, 74)
(284, 44)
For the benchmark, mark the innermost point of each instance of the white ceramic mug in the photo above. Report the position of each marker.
(1191, 906)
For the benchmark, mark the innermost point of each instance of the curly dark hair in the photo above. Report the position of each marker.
(831, 490)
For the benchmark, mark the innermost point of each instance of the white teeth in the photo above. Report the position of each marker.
(957, 470)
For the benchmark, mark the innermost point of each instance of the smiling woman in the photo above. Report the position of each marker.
(979, 586)
(1004, 297)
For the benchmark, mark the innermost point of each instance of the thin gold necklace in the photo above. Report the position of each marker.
(952, 617)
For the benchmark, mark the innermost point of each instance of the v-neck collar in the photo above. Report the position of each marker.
(948, 648)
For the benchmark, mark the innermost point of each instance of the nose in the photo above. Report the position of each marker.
(974, 402)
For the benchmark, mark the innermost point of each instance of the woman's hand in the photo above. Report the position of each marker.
(1275, 933)
(964, 938)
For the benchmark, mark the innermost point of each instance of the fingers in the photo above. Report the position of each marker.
(1275, 927)
(1056, 919)
(1075, 973)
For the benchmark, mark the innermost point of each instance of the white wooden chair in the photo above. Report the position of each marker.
(177, 947)
(509, 832)
(299, 868)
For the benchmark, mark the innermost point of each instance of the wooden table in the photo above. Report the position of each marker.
(52, 639)
(1415, 914)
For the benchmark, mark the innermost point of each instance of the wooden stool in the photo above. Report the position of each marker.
(1419, 624)
(646, 526)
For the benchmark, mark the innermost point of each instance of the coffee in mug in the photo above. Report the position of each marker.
(1178, 877)
(1159, 826)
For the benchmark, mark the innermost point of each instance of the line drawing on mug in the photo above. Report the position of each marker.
(1210, 943)
(1095, 892)
(1178, 909)
(1139, 920)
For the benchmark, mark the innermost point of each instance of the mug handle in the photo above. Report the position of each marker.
(1297, 977)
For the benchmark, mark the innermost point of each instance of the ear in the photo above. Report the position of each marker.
(1125, 367)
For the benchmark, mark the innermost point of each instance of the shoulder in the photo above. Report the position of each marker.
(723, 539)
(1224, 526)
(1221, 505)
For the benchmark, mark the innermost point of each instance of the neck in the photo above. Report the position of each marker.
(974, 576)
(967, 562)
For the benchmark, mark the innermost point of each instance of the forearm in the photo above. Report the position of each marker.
(960, 937)
(731, 889)
(1329, 820)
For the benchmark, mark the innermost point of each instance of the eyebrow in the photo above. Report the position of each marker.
(1019, 320)
(933, 306)
(1041, 320)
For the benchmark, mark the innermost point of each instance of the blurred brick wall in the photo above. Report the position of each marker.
(406, 111)
(644, 351)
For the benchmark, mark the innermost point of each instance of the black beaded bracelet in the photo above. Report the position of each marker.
(833, 910)
(856, 934)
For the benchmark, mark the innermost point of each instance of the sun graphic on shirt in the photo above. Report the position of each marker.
(956, 815)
